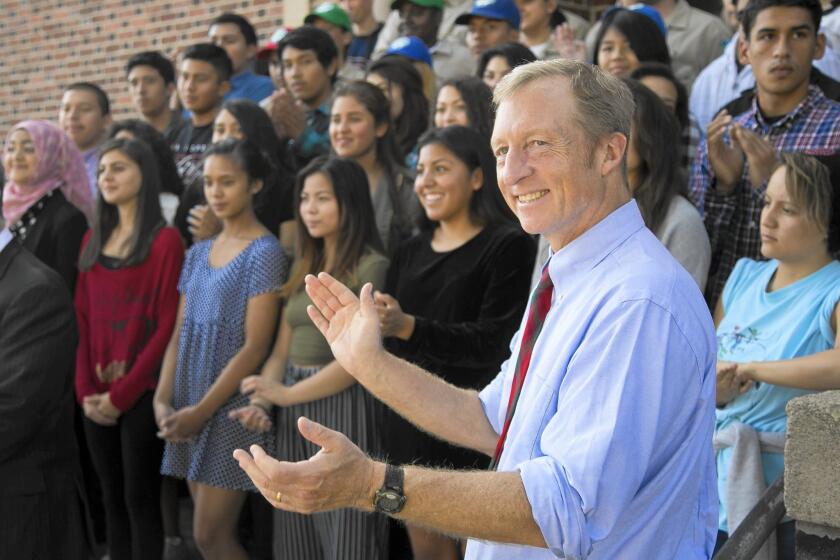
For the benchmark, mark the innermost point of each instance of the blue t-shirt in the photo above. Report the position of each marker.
(247, 85)
(764, 326)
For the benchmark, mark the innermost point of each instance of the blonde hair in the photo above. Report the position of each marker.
(604, 103)
(808, 183)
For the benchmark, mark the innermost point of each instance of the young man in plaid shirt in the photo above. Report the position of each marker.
(729, 176)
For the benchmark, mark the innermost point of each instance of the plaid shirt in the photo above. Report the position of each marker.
(732, 220)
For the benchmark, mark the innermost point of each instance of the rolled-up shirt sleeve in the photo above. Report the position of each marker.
(620, 417)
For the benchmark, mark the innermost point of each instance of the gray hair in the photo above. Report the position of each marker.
(604, 103)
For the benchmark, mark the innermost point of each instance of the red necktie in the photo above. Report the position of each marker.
(540, 304)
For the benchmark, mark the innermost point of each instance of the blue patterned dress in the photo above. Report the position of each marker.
(213, 332)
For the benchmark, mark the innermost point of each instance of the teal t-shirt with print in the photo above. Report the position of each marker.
(759, 325)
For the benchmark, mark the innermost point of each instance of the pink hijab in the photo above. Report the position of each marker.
(60, 166)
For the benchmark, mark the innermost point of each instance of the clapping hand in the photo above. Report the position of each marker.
(203, 223)
(761, 155)
(727, 160)
(392, 320)
(729, 383)
(349, 323)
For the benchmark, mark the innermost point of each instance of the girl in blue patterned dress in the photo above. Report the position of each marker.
(777, 329)
(226, 320)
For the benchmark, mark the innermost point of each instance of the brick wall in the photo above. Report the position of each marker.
(47, 44)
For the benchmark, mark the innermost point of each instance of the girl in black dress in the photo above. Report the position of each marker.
(455, 293)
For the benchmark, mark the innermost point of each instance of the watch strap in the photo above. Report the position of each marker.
(394, 478)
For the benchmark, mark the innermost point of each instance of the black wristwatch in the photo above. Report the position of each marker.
(390, 498)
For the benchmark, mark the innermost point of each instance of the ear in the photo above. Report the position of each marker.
(256, 186)
(742, 48)
(332, 67)
(477, 179)
(819, 50)
(170, 89)
(614, 149)
(381, 130)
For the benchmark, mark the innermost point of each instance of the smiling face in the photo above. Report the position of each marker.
(788, 233)
(535, 14)
(615, 55)
(549, 173)
(80, 116)
(228, 189)
(319, 207)
(496, 69)
(484, 33)
(443, 184)
(450, 108)
(20, 159)
(781, 47)
(226, 126)
(353, 132)
(119, 178)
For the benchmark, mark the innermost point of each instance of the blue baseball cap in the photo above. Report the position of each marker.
(645, 10)
(410, 47)
(504, 10)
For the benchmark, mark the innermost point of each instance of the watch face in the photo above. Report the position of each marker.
(389, 501)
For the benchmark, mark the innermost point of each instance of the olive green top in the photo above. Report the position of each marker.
(308, 347)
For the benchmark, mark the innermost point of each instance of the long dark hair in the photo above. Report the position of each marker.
(357, 226)
(479, 101)
(246, 154)
(387, 153)
(148, 218)
(486, 204)
(662, 71)
(414, 119)
(656, 139)
(645, 37)
(170, 181)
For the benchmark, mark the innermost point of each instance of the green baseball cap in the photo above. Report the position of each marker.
(332, 13)
(438, 4)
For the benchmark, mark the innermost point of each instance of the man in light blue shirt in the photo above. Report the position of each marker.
(608, 454)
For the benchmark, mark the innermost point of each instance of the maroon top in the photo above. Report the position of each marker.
(126, 314)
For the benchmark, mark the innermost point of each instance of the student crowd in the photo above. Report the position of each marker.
(184, 237)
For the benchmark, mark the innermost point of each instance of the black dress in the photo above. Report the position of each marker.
(52, 230)
(467, 303)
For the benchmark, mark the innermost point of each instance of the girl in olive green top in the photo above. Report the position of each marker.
(336, 233)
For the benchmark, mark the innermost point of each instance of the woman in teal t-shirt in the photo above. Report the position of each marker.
(777, 329)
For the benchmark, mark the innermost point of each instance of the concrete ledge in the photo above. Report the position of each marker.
(812, 459)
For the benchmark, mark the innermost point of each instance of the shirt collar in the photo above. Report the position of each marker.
(679, 18)
(814, 96)
(5, 238)
(594, 244)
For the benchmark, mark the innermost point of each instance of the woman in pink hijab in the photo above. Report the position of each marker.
(47, 200)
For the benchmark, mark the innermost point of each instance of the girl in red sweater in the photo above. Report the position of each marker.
(126, 303)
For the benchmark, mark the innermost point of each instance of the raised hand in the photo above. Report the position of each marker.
(761, 155)
(338, 476)
(203, 223)
(349, 323)
(727, 160)
(287, 115)
(566, 45)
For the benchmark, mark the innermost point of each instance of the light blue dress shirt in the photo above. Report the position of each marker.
(91, 158)
(612, 435)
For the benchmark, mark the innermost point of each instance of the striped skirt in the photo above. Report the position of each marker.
(344, 534)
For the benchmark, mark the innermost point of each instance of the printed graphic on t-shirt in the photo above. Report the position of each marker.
(730, 342)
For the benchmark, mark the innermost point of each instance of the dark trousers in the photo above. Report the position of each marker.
(785, 540)
(127, 460)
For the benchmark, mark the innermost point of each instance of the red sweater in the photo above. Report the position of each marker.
(127, 315)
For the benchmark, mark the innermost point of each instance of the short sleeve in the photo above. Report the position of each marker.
(826, 311)
(268, 267)
(186, 269)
